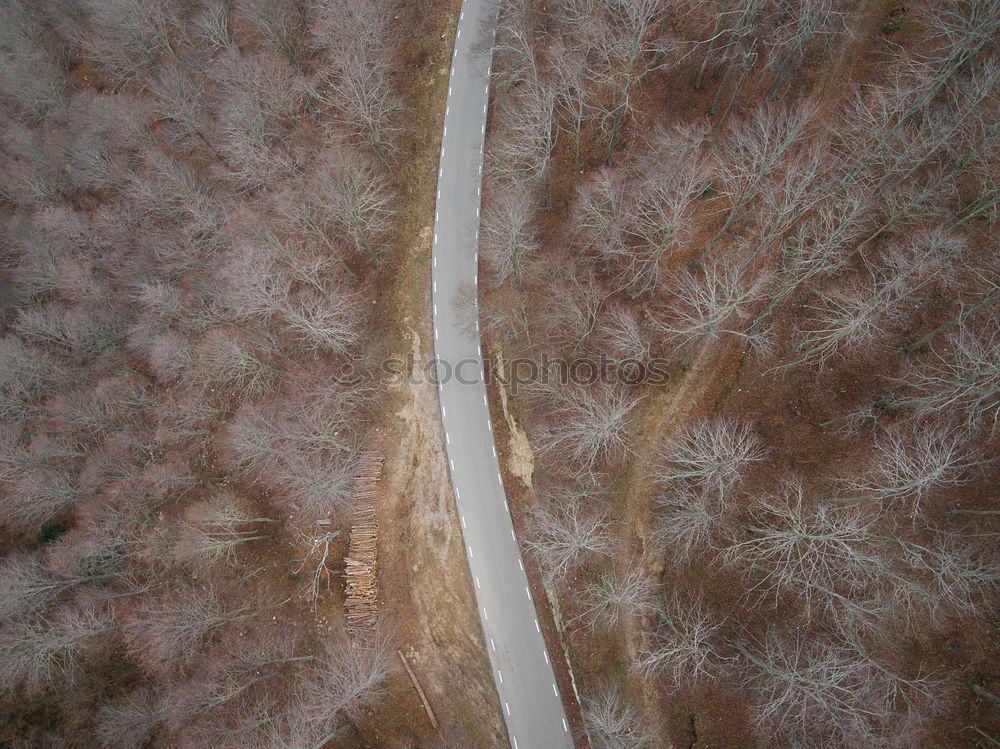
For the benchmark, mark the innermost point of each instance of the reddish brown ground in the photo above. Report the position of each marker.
(724, 379)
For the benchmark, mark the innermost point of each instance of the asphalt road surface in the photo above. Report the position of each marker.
(531, 703)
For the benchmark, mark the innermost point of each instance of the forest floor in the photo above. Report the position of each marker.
(715, 380)
(424, 580)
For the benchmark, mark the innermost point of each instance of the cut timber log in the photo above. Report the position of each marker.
(361, 564)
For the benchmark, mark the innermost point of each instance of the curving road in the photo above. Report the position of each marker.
(532, 707)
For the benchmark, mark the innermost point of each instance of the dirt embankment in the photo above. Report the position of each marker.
(424, 580)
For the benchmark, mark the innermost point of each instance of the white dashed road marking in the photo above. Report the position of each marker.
(444, 412)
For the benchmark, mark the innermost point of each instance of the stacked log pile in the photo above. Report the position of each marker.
(361, 564)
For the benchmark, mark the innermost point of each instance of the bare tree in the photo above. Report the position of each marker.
(77, 331)
(634, 217)
(92, 413)
(589, 425)
(234, 676)
(789, 44)
(812, 690)
(792, 198)
(601, 214)
(628, 48)
(179, 101)
(39, 495)
(31, 177)
(753, 152)
(573, 97)
(211, 26)
(324, 321)
(38, 652)
(254, 282)
(215, 530)
(908, 464)
(310, 452)
(824, 240)
(340, 680)
(31, 77)
(564, 533)
(507, 238)
(963, 375)
(851, 319)
(167, 627)
(613, 723)
(962, 31)
(623, 339)
(948, 578)
(126, 722)
(25, 586)
(711, 302)
(515, 44)
(688, 520)
(665, 192)
(710, 455)
(358, 43)
(323, 427)
(681, 649)
(26, 373)
(244, 362)
(280, 26)
(520, 153)
(260, 100)
(28, 587)
(814, 551)
(573, 306)
(127, 37)
(180, 196)
(616, 597)
(350, 199)
(320, 488)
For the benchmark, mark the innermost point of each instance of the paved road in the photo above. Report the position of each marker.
(532, 706)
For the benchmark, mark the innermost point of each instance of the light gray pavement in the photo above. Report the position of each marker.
(530, 699)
